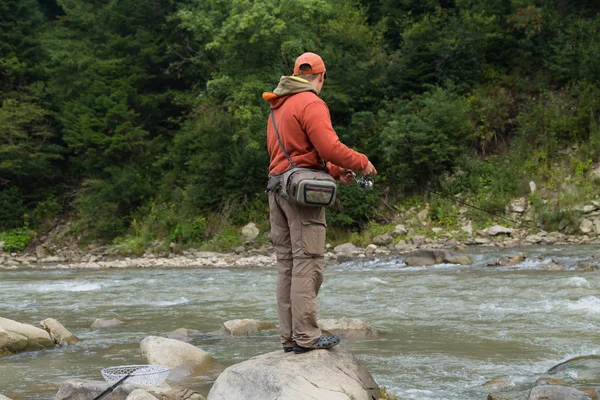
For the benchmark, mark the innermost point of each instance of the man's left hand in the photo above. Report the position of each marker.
(346, 176)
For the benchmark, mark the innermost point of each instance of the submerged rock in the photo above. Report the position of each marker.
(60, 335)
(244, 327)
(349, 328)
(317, 375)
(431, 257)
(16, 337)
(173, 353)
(506, 261)
(584, 369)
(106, 323)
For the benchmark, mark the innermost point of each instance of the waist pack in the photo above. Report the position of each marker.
(308, 187)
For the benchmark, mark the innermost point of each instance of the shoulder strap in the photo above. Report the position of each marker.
(279, 140)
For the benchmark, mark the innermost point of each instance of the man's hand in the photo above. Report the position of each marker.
(370, 170)
(346, 176)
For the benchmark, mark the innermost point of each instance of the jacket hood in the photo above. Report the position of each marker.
(288, 85)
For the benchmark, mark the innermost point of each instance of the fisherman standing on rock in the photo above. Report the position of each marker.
(306, 156)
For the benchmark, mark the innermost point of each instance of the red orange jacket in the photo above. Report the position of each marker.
(304, 125)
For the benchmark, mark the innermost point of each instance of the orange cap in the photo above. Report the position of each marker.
(314, 60)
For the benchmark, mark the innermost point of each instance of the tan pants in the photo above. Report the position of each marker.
(298, 235)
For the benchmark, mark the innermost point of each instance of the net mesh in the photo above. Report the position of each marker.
(149, 375)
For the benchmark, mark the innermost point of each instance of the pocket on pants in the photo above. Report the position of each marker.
(313, 237)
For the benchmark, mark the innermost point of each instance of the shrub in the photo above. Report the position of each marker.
(16, 240)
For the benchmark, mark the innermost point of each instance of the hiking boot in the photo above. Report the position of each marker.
(324, 342)
(287, 349)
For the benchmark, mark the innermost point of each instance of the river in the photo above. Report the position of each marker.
(446, 330)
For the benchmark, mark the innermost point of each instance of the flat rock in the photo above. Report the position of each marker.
(245, 327)
(334, 374)
(498, 230)
(349, 328)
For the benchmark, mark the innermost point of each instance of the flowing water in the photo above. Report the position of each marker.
(446, 329)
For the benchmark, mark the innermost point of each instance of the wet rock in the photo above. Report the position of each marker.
(432, 257)
(16, 337)
(319, 374)
(400, 230)
(586, 266)
(348, 328)
(585, 369)
(585, 225)
(493, 396)
(106, 323)
(59, 334)
(182, 334)
(498, 230)
(497, 384)
(347, 249)
(250, 232)
(244, 327)
(560, 392)
(552, 267)
(506, 261)
(173, 353)
(382, 240)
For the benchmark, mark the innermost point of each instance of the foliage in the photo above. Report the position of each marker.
(145, 117)
(15, 239)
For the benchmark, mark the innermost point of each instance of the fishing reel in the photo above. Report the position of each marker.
(364, 182)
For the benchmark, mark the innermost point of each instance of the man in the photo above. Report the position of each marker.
(297, 232)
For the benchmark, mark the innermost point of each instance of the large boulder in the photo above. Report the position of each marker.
(16, 337)
(60, 335)
(317, 375)
(173, 353)
(349, 328)
(244, 327)
(432, 257)
(560, 392)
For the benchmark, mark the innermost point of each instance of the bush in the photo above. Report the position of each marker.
(15, 240)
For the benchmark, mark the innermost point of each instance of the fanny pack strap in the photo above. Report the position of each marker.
(292, 165)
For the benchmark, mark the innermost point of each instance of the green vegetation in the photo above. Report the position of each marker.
(15, 240)
(143, 120)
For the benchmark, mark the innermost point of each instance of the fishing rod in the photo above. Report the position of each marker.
(113, 387)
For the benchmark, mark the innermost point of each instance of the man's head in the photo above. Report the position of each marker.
(311, 67)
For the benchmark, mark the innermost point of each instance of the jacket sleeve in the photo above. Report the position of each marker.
(333, 170)
(316, 122)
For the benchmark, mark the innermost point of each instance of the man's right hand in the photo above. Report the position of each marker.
(370, 170)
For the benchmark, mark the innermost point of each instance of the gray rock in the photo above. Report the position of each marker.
(586, 266)
(588, 208)
(245, 327)
(370, 250)
(497, 230)
(432, 257)
(4, 397)
(400, 230)
(140, 394)
(532, 187)
(320, 374)
(41, 251)
(559, 392)
(585, 225)
(382, 240)
(467, 229)
(173, 353)
(450, 244)
(347, 249)
(79, 389)
(518, 205)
